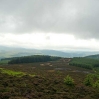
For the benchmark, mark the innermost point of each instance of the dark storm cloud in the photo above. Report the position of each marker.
(77, 17)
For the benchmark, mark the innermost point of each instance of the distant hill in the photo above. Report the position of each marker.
(93, 56)
(8, 52)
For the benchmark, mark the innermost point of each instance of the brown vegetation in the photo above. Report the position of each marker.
(48, 82)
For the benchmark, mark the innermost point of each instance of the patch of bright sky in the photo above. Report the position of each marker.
(48, 41)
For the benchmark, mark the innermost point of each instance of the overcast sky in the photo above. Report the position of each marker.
(50, 24)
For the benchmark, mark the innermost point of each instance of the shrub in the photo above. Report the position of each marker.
(96, 84)
(68, 80)
(88, 81)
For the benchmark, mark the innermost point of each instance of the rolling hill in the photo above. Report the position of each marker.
(7, 52)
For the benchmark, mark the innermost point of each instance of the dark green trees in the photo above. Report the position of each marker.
(31, 59)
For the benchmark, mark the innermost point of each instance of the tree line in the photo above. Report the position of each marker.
(84, 63)
(33, 58)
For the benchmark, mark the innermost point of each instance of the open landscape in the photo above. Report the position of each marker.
(50, 80)
(49, 49)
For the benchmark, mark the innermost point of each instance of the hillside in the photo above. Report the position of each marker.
(87, 63)
(93, 56)
(47, 80)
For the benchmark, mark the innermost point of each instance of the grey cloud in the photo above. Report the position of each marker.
(77, 17)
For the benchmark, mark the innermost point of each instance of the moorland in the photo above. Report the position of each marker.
(53, 78)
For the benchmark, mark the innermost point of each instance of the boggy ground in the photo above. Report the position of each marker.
(48, 82)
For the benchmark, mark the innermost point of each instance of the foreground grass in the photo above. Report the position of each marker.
(14, 73)
(38, 87)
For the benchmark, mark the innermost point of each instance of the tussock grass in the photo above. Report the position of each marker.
(14, 73)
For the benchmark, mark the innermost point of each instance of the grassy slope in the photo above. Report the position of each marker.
(14, 73)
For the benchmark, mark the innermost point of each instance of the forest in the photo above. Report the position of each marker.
(32, 59)
(87, 63)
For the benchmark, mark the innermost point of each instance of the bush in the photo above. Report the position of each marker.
(68, 80)
(96, 84)
(88, 81)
